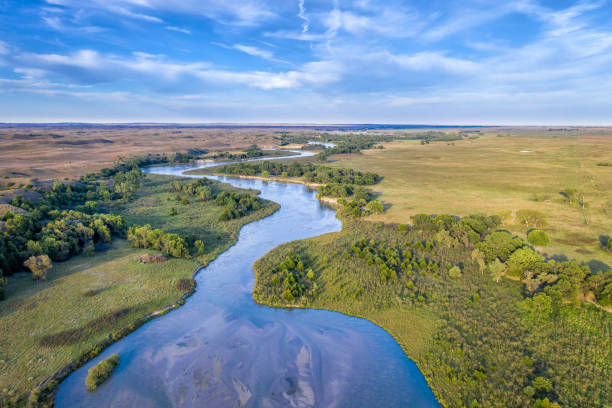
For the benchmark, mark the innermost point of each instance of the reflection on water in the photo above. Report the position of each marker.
(325, 144)
(221, 349)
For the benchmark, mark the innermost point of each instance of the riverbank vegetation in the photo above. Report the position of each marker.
(98, 285)
(345, 186)
(489, 322)
(101, 371)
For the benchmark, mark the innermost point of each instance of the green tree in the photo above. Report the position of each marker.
(538, 238)
(375, 207)
(454, 272)
(499, 244)
(531, 218)
(39, 266)
(199, 247)
(496, 270)
(478, 257)
(545, 403)
(524, 263)
(542, 384)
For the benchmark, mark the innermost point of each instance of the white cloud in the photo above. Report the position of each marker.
(90, 67)
(178, 29)
(302, 15)
(242, 13)
(54, 22)
(254, 51)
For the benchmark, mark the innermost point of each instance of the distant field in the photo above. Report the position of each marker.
(56, 152)
(490, 175)
(77, 301)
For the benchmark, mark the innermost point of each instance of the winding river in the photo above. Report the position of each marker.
(221, 349)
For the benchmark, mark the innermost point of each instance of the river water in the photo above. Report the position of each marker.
(221, 349)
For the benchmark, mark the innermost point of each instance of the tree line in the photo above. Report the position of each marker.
(310, 172)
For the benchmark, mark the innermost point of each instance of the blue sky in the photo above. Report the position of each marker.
(307, 61)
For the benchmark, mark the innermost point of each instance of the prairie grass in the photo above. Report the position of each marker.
(490, 175)
(87, 298)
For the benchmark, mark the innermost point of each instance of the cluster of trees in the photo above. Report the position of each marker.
(499, 253)
(202, 189)
(467, 230)
(310, 172)
(153, 238)
(352, 144)
(66, 219)
(60, 235)
(356, 201)
(237, 205)
(563, 281)
(250, 152)
(346, 184)
(483, 342)
(390, 260)
(293, 278)
(360, 207)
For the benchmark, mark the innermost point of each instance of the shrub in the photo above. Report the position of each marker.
(455, 272)
(101, 371)
(542, 384)
(39, 265)
(185, 285)
(3, 283)
(531, 218)
(149, 258)
(538, 238)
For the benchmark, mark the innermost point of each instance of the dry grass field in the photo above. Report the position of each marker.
(523, 169)
(58, 152)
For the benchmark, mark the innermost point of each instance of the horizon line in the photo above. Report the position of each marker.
(292, 124)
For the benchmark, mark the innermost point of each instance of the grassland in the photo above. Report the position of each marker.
(89, 297)
(39, 153)
(478, 341)
(489, 175)
(153, 204)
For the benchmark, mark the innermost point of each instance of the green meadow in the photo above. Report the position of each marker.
(86, 298)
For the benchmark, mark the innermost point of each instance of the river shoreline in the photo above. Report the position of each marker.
(406, 374)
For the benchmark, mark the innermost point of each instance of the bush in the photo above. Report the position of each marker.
(531, 218)
(455, 272)
(185, 285)
(101, 371)
(148, 258)
(538, 238)
(3, 283)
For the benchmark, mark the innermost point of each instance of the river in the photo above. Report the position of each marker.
(221, 349)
